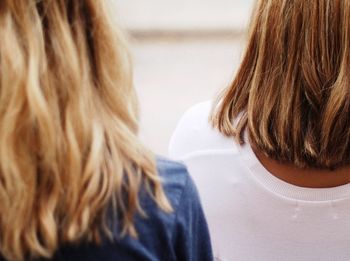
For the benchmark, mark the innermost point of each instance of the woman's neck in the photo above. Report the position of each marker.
(309, 178)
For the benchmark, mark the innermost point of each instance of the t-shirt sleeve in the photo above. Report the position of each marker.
(191, 237)
(190, 131)
(195, 134)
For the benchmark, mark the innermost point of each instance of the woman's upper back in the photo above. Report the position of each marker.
(181, 235)
(252, 215)
(291, 96)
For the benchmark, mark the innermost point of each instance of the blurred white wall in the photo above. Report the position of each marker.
(167, 15)
(174, 66)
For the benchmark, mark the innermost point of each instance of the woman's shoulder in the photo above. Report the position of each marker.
(195, 134)
(178, 185)
(177, 232)
(190, 234)
(175, 180)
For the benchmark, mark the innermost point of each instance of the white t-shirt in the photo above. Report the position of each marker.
(253, 215)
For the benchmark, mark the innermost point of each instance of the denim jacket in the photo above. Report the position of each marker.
(181, 235)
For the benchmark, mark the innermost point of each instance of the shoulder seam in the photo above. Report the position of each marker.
(179, 205)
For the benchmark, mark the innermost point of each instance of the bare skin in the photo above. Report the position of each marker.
(308, 178)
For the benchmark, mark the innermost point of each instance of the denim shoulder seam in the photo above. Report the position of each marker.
(179, 206)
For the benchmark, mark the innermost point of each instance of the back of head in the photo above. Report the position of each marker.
(292, 90)
(68, 124)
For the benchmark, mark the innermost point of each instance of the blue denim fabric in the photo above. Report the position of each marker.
(182, 235)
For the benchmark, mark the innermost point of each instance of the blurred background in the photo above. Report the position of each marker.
(184, 52)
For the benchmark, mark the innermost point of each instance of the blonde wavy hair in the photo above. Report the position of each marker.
(69, 154)
(292, 90)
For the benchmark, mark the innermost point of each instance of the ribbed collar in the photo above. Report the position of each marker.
(284, 189)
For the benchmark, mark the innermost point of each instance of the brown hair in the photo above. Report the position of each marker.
(69, 154)
(292, 90)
